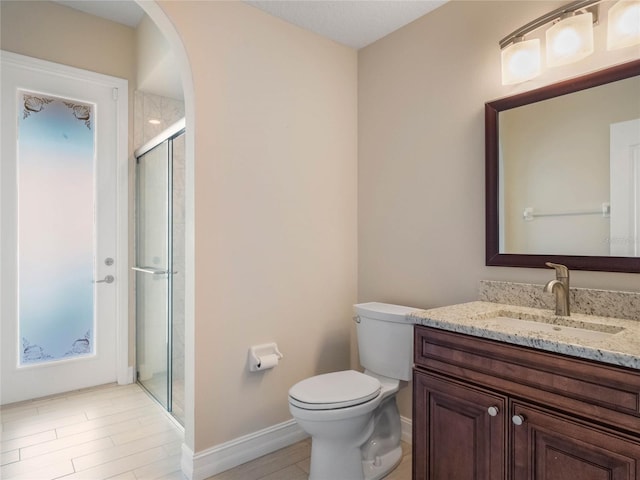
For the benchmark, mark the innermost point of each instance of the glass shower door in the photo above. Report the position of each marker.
(152, 270)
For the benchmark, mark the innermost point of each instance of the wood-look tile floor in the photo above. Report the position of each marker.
(292, 463)
(115, 432)
(120, 433)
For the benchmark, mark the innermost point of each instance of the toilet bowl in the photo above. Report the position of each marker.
(341, 420)
(352, 417)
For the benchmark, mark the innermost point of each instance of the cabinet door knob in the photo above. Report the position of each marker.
(517, 419)
(493, 411)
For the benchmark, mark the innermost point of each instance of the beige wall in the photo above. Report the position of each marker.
(421, 95)
(275, 209)
(156, 64)
(52, 32)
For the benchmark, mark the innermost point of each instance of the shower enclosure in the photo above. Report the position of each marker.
(159, 268)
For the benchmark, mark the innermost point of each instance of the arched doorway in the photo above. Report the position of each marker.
(158, 16)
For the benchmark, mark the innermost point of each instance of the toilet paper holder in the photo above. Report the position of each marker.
(263, 357)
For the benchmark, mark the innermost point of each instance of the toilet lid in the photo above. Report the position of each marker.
(334, 390)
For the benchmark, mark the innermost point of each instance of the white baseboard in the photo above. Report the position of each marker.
(407, 430)
(125, 376)
(240, 450)
(249, 447)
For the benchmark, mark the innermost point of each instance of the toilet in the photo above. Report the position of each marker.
(352, 417)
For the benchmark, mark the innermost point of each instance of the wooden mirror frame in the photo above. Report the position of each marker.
(492, 180)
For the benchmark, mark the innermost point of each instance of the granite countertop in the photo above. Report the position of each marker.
(605, 339)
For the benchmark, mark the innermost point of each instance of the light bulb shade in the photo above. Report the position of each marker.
(570, 40)
(623, 29)
(521, 61)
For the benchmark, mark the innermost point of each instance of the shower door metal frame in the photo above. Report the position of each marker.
(168, 136)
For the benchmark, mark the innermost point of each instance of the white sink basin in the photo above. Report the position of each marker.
(564, 326)
(534, 326)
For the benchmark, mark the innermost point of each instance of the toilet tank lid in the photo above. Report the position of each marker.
(384, 311)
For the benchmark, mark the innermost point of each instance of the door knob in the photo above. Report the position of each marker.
(493, 411)
(107, 279)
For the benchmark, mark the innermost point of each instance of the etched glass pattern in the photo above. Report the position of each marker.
(56, 208)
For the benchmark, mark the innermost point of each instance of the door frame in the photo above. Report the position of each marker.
(624, 239)
(120, 88)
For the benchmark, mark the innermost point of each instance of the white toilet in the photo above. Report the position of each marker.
(352, 417)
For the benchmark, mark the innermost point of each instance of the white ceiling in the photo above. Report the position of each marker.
(126, 12)
(355, 23)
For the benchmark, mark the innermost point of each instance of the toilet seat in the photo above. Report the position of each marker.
(334, 390)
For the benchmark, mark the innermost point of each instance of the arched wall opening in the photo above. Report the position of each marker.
(159, 17)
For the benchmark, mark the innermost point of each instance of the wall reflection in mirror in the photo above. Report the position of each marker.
(563, 173)
(567, 166)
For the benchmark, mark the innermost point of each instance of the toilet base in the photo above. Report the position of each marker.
(382, 465)
(335, 462)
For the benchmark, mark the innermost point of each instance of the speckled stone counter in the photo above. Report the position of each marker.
(603, 303)
(605, 339)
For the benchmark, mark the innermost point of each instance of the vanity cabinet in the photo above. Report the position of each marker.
(486, 410)
(550, 447)
(455, 437)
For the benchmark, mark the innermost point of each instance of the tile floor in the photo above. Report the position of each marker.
(292, 463)
(115, 432)
(120, 433)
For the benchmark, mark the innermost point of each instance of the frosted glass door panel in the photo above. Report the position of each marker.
(56, 239)
(152, 267)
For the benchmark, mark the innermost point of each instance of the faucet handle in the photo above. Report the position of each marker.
(561, 270)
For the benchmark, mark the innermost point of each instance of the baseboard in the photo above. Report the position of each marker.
(230, 454)
(249, 447)
(125, 377)
(407, 430)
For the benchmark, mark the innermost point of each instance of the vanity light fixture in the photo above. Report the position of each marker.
(521, 61)
(568, 38)
(623, 29)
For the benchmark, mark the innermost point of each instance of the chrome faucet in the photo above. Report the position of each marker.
(560, 288)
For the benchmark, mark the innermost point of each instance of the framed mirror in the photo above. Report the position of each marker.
(563, 174)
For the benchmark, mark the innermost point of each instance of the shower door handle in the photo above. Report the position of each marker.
(151, 270)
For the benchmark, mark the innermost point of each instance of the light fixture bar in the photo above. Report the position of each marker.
(544, 19)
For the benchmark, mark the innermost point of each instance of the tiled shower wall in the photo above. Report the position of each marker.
(167, 111)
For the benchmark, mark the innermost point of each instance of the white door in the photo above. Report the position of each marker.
(60, 269)
(625, 188)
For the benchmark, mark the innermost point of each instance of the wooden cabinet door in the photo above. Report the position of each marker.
(547, 447)
(455, 436)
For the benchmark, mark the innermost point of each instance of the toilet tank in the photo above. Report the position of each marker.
(385, 339)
